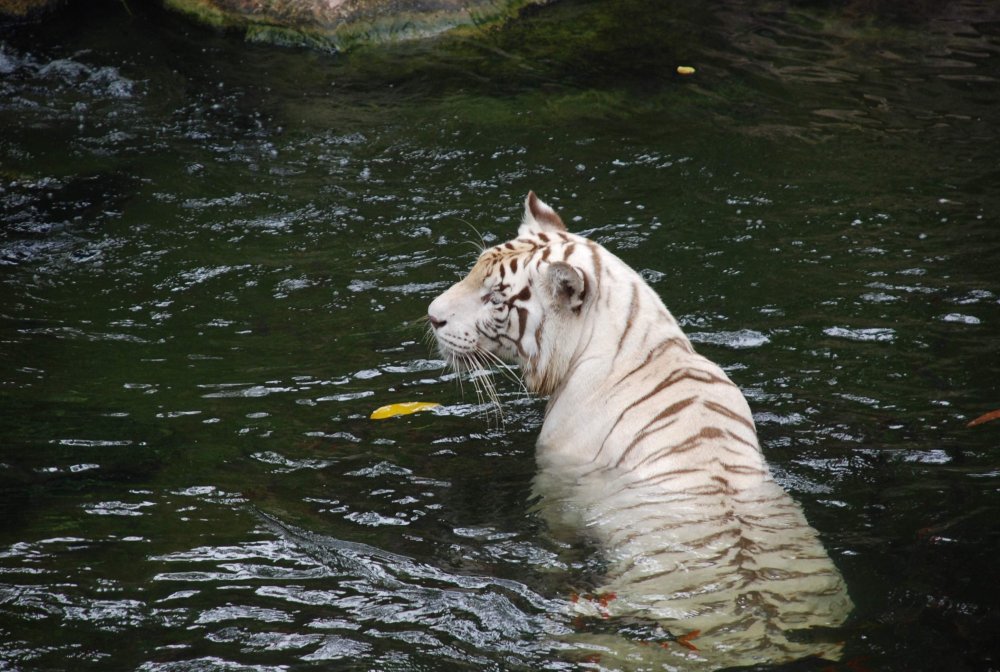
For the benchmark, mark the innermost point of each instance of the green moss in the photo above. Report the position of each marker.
(203, 12)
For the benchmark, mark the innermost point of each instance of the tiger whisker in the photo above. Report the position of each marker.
(486, 391)
(506, 369)
(463, 365)
(482, 241)
(481, 375)
(478, 366)
(455, 364)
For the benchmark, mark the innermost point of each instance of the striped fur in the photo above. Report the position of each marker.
(647, 446)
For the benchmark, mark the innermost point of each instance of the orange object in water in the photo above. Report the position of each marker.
(986, 417)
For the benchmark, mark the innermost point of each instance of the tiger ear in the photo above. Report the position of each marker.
(539, 217)
(567, 285)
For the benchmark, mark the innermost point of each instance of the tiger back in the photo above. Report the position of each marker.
(646, 446)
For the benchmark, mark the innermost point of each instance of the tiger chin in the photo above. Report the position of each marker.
(649, 449)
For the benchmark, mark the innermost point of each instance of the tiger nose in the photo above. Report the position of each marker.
(438, 313)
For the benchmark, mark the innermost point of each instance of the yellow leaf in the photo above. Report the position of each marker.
(404, 408)
(685, 70)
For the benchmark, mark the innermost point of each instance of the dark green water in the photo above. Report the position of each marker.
(214, 258)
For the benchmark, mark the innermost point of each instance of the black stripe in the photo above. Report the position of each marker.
(633, 310)
(658, 350)
(729, 413)
(673, 409)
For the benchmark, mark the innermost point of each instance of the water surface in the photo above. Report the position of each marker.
(215, 257)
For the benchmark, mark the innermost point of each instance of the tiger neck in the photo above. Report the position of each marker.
(619, 343)
(645, 334)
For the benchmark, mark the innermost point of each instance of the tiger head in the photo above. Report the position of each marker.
(522, 302)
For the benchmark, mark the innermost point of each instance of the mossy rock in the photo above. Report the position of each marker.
(14, 11)
(341, 24)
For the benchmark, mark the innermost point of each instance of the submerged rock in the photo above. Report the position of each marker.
(341, 24)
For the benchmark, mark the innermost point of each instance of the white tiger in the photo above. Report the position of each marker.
(650, 449)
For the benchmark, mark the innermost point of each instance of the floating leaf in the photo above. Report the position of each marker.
(986, 417)
(685, 640)
(404, 408)
(685, 70)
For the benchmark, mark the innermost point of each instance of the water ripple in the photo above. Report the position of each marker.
(235, 612)
(208, 664)
(738, 340)
(872, 334)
